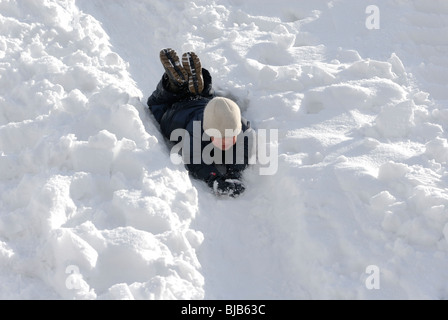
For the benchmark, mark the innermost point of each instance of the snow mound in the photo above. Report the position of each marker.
(89, 202)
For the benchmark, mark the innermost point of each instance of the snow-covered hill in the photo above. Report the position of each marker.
(91, 206)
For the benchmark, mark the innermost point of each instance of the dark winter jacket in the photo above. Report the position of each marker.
(180, 110)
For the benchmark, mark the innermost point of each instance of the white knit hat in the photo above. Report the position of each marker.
(223, 114)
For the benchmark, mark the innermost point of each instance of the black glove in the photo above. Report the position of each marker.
(223, 186)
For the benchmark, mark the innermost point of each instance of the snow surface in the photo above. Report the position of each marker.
(91, 207)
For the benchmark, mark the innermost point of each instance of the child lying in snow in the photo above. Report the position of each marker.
(189, 113)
